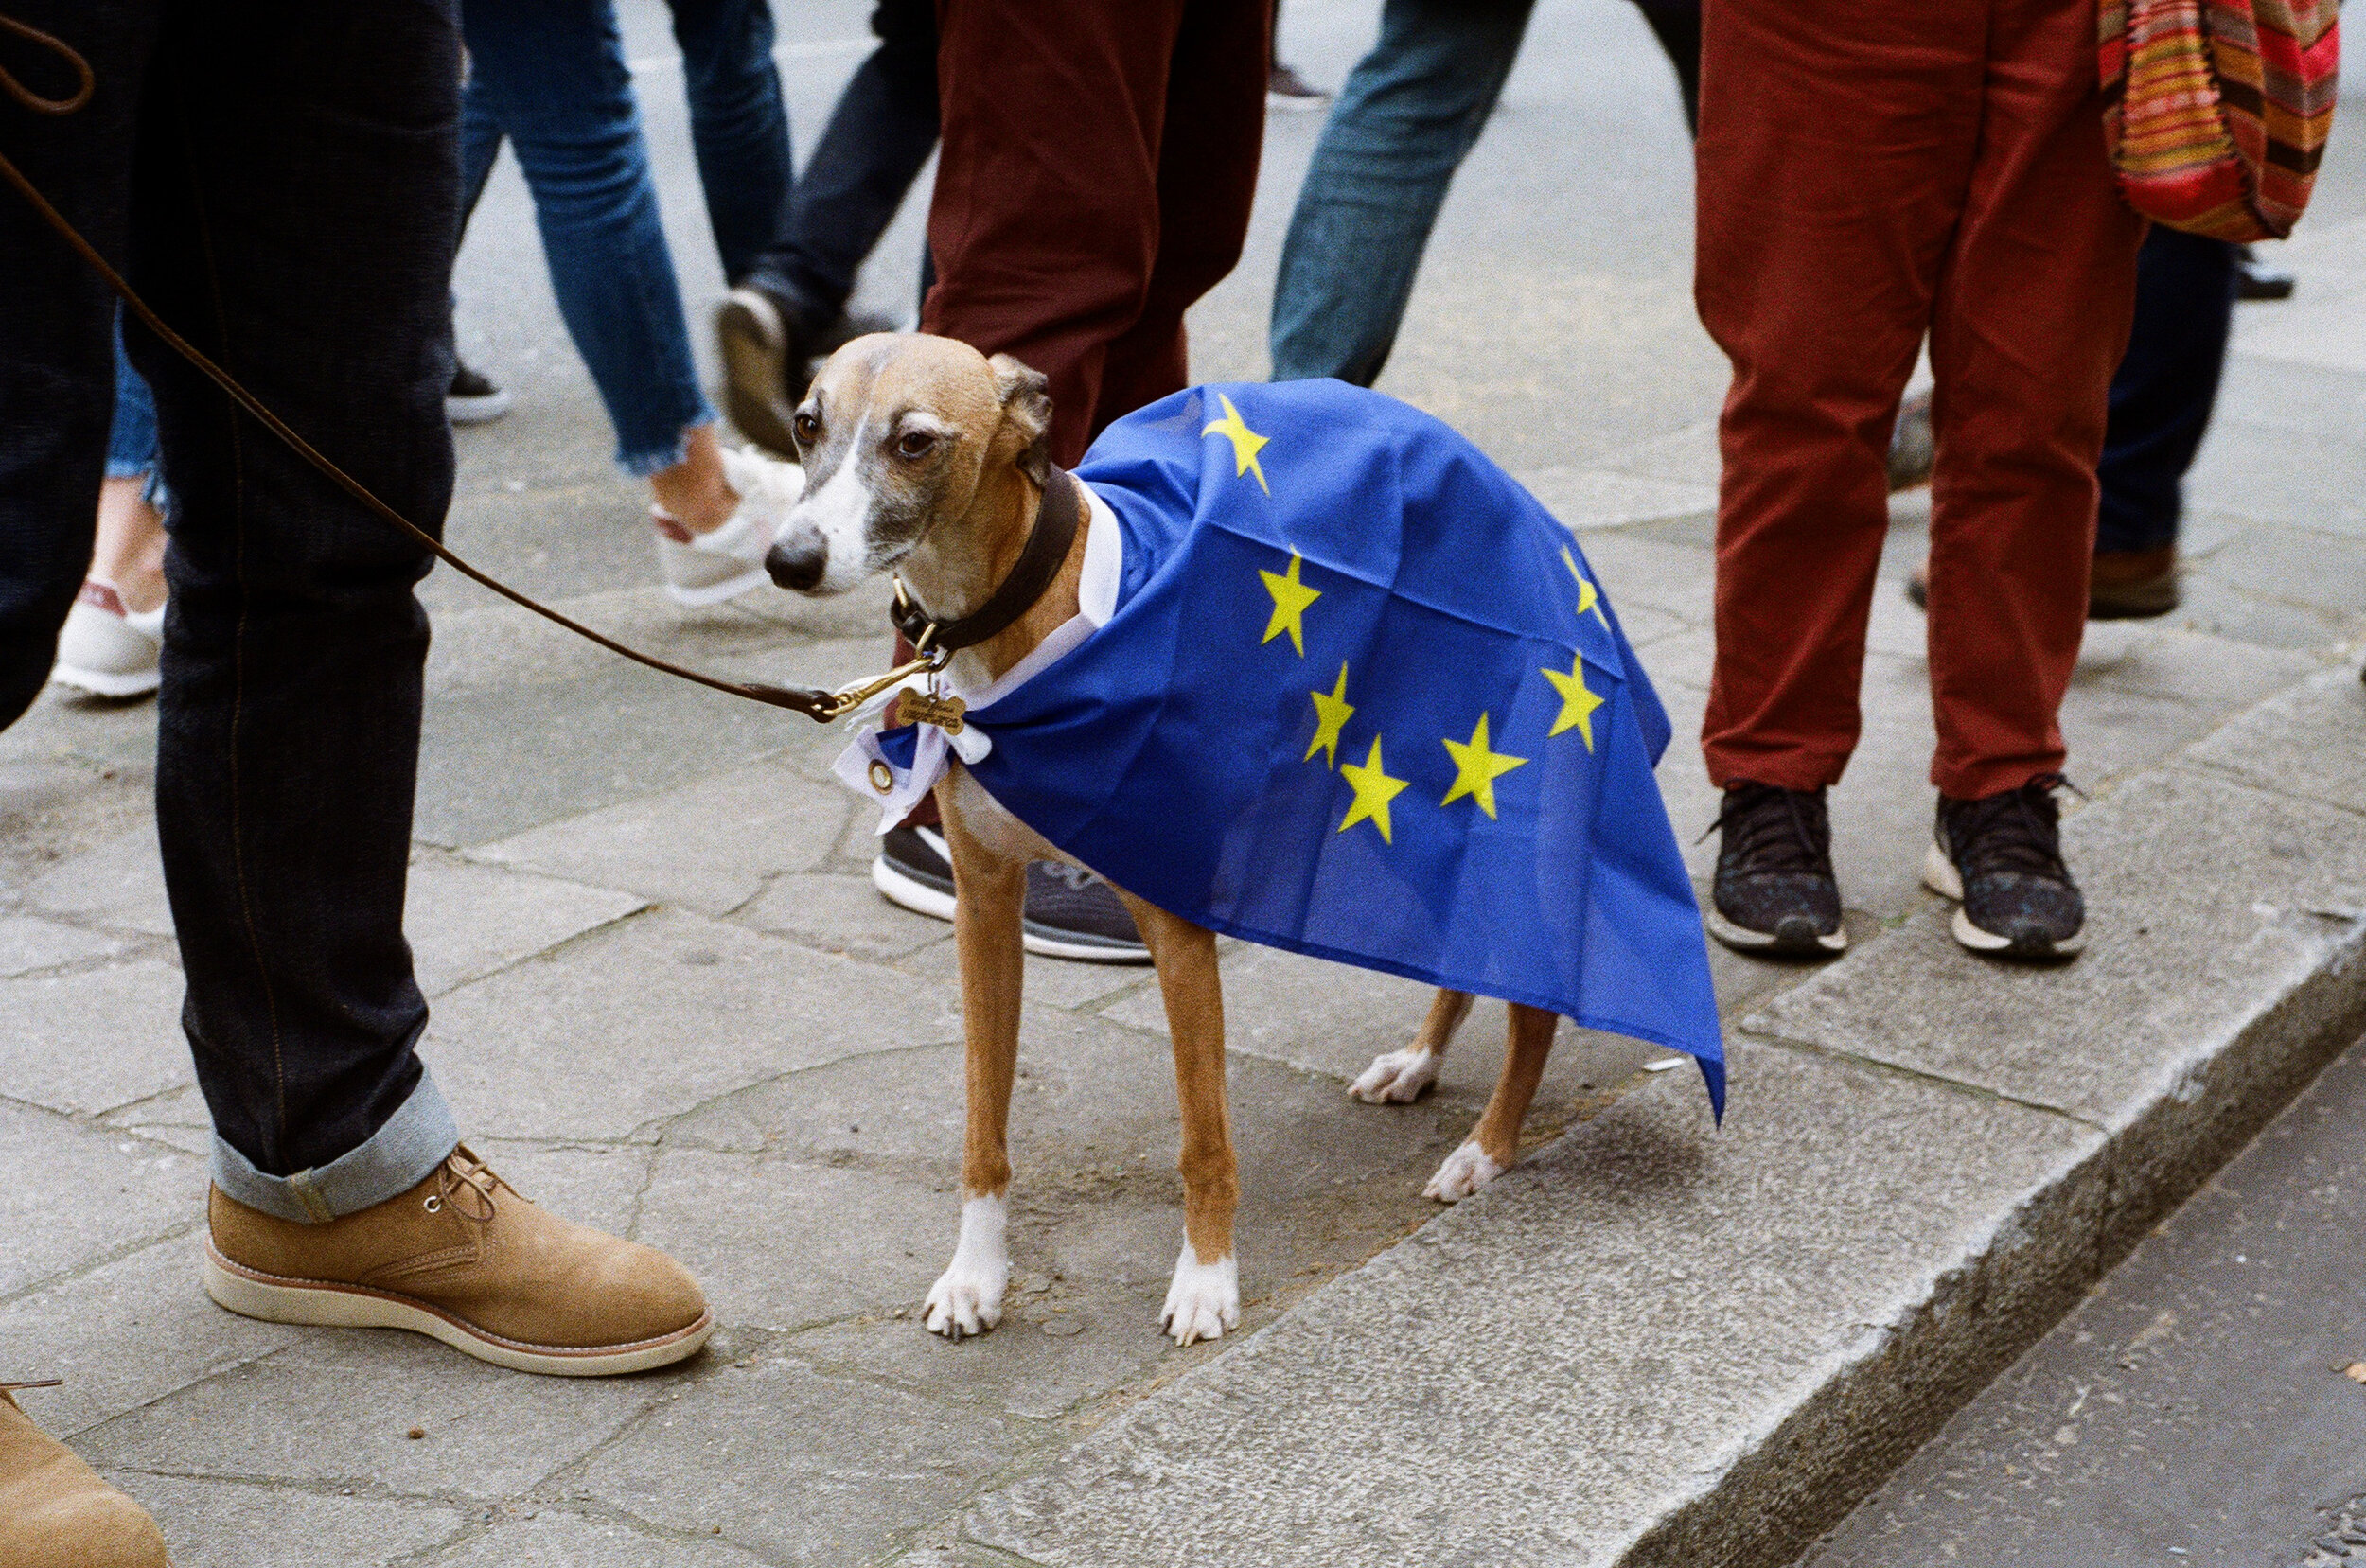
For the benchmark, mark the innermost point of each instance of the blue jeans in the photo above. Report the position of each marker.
(2166, 384)
(551, 74)
(131, 439)
(877, 143)
(1410, 111)
(301, 232)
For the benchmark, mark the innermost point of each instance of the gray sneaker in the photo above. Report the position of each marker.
(2000, 857)
(1774, 891)
(1071, 912)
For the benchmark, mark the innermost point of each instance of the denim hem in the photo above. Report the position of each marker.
(395, 1158)
(656, 460)
(123, 467)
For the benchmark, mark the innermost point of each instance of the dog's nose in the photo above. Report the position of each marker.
(798, 559)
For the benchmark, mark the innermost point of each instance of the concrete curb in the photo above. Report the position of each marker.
(1654, 1344)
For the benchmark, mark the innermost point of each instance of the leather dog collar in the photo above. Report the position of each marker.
(1038, 562)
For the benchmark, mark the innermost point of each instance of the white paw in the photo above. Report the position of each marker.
(1466, 1170)
(1204, 1299)
(967, 1296)
(1400, 1077)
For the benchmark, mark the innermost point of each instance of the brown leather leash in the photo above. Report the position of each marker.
(820, 706)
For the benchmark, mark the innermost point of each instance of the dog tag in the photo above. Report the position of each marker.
(919, 708)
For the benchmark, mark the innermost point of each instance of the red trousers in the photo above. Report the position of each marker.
(1099, 161)
(1871, 171)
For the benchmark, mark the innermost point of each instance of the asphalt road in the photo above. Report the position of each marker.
(2194, 1409)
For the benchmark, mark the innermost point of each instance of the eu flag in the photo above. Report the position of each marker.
(1360, 697)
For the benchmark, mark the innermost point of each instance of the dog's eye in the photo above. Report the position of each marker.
(916, 443)
(808, 427)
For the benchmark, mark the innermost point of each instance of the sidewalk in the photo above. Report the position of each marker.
(667, 1002)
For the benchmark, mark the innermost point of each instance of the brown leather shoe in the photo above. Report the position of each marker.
(2133, 585)
(462, 1257)
(55, 1511)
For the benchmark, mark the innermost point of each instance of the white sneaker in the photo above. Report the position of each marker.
(707, 569)
(106, 649)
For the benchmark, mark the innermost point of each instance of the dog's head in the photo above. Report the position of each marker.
(902, 436)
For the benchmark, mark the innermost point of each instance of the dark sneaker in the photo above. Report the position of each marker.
(1914, 446)
(755, 331)
(1775, 892)
(2254, 279)
(1071, 912)
(2001, 857)
(1286, 89)
(914, 870)
(472, 399)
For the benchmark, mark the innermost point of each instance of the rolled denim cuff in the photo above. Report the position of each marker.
(400, 1155)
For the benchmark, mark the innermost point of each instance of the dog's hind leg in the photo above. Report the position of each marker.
(1495, 1143)
(989, 900)
(1401, 1077)
(1204, 1299)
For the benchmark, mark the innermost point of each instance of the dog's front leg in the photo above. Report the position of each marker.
(1403, 1076)
(1204, 1299)
(990, 893)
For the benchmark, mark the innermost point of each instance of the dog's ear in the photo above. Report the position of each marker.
(1026, 408)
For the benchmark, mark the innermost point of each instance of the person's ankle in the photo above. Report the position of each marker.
(695, 491)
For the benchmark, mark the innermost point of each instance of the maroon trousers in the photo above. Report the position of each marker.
(1099, 161)
(1868, 172)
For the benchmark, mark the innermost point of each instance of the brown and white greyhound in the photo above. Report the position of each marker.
(926, 458)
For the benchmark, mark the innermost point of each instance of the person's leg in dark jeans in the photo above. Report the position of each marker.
(1410, 112)
(789, 307)
(291, 205)
(738, 124)
(2161, 403)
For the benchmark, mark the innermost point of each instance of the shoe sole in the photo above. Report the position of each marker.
(103, 683)
(714, 593)
(476, 411)
(252, 1294)
(909, 892)
(1940, 876)
(1743, 940)
(755, 357)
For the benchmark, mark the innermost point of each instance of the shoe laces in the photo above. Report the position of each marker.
(1771, 829)
(2017, 831)
(1077, 877)
(465, 1183)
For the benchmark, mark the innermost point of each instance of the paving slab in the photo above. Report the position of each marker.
(123, 1335)
(87, 1042)
(539, 1538)
(336, 1408)
(72, 1197)
(465, 922)
(119, 885)
(221, 1524)
(2280, 743)
(27, 943)
(641, 1022)
(1593, 1338)
(2194, 888)
(798, 1468)
(708, 846)
(842, 912)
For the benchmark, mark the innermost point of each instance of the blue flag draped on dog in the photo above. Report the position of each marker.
(1359, 697)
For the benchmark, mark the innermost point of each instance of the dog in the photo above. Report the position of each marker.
(928, 458)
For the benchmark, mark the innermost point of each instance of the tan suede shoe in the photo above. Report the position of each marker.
(55, 1512)
(462, 1257)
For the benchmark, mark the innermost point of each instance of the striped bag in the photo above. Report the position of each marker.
(2216, 112)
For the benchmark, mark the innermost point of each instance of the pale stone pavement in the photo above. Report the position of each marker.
(668, 1002)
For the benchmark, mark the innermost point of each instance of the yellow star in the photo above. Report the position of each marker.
(1244, 442)
(1331, 711)
(1589, 597)
(1374, 790)
(1478, 767)
(1577, 703)
(1289, 599)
